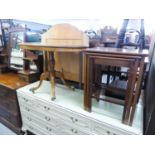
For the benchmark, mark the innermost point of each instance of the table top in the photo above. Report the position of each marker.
(51, 48)
(121, 51)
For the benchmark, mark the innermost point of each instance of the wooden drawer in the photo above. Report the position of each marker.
(8, 99)
(65, 115)
(27, 100)
(43, 117)
(46, 128)
(11, 117)
(32, 128)
(65, 129)
(73, 119)
(35, 104)
(54, 116)
(102, 129)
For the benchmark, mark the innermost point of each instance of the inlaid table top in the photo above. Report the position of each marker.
(51, 48)
(106, 50)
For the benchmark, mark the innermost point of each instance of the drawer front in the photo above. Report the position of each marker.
(53, 117)
(41, 126)
(28, 101)
(32, 128)
(65, 129)
(101, 129)
(72, 119)
(13, 118)
(43, 117)
(35, 104)
(50, 110)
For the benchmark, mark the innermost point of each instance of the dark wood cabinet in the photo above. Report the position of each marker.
(3, 50)
(27, 64)
(9, 108)
(149, 96)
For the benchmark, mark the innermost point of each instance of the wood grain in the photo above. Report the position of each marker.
(11, 80)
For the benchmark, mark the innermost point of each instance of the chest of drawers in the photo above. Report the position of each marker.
(65, 115)
(9, 108)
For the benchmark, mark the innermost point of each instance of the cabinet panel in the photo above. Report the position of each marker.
(44, 127)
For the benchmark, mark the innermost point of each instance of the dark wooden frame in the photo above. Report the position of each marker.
(16, 29)
(120, 58)
(149, 96)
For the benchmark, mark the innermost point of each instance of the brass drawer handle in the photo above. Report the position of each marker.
(31, 127)
(74, 120)
(46, 108)
(27, 109)
(74, 131)
(30, 119)
(47, 118)
(26, 100)
(49, 129)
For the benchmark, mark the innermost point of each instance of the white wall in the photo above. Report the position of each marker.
(109, 10)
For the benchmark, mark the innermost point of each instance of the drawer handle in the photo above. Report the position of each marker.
(27, 109)
(31, 127)
(46, 108)
(30, 119)
(26, 100)
(74, 131)
(47, 118)
(49, 129)
(74, 120)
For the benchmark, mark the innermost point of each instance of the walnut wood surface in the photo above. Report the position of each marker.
(134, 59)
(51, 48)
(118, 51)
(11, 80)
(66, 41)
(9, 108)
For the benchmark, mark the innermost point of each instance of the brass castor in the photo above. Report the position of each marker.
(72, 88)
(53, 98)
(32, 90)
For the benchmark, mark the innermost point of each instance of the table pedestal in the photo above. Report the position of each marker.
(49, 73)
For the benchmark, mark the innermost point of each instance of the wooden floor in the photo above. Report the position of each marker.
(11, 80)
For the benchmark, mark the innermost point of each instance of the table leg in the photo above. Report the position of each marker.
(44, 75)
(130, 92)
(137, 91)
(51, 66)
(97, 81)
(88, 83)
(80, 69)
(61, 76)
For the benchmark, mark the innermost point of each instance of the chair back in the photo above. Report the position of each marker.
(132, 37)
